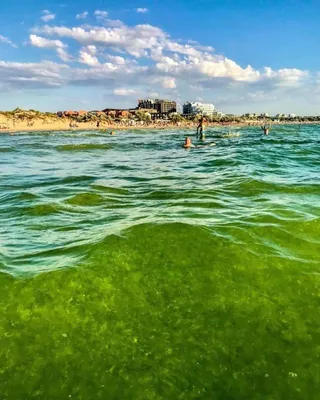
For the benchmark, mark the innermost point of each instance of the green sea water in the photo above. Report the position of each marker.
(134, 269)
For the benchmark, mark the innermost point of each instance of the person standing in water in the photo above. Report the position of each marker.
(200, 128)
(265, 129)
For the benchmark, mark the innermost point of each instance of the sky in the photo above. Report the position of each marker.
(244, 56)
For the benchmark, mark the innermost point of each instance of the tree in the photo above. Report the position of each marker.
(17, 110)
(143, 116)
(112, 114)
(175, 117)
(102, 117)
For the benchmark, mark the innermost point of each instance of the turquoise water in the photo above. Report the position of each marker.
(134, 269)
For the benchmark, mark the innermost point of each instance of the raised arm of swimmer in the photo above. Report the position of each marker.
(265, 129)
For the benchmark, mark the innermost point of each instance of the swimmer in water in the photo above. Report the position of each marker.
(265, 129)
(187, 143)
(112, 133)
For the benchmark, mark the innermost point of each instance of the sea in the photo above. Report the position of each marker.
(132, 268)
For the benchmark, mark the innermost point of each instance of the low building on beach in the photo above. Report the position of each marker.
(70, 113)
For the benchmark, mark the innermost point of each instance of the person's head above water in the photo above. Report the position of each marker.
(187, 142)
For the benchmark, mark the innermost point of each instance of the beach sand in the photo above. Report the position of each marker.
(11, 125)
(40, 124)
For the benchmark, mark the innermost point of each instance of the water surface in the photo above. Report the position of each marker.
(135, 269)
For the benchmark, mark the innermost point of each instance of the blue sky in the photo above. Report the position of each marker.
(243, 56)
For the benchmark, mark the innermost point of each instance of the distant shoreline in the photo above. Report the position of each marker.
(52, 126)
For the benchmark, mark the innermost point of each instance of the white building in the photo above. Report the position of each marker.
(193, 108)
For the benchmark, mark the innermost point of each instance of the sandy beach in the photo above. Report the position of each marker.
(11, 125)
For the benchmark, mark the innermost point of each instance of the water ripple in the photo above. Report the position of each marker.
(62, 193)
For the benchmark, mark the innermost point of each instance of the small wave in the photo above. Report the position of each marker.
(117, 167)
(76, 179)
(231, 135)
(84, 147)
(109, 189)
(42, 210)
(7, 149)
(85, 200)
(255, 186)
(27, 196)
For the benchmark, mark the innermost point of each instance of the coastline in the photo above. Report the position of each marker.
(63, 126)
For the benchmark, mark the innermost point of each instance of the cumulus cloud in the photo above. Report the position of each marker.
(83, 15)
(133, 40)
(116, 59)
(91, 49)
(32, 75)
(167, 83)
(142, 10)
(145, 59)
(123, 92)
(41, 42)
(173, 62)
(113, 23)
(47, 16)
(64, 55)
(86, 58)
(4, 39)
(100, 14)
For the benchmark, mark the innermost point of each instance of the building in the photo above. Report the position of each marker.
(161, 106)
(147, 104)
(166, 106)
(193, 108)
(70, 113)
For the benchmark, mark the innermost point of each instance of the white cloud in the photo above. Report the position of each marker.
(133, 40)
(64, 55)
(91, 49)
(174, 62)
(113, 23)
(142, 10)
(86, 58)
(168, 83)
(57, 45)
(123, 92)
(32, 75)
(41, 42)
(48, 17)
(100, 14)
(4, 39)
(145, 59)
(116, 59)
(83, 15)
